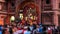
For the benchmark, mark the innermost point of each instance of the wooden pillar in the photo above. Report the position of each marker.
(38, 2)
(55, 19)
(16, 10)
(8, 16)
(2, 17)
(55, 8)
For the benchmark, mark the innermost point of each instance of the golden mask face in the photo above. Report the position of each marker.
(21, 16)
(12, 18)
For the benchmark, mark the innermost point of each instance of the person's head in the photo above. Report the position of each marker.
(55, 27)
(49, 28)
(38, 26)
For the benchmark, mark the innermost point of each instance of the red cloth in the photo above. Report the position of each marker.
(49, 31)
(23, 32)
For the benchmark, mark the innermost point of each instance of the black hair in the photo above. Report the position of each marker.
(28, 29)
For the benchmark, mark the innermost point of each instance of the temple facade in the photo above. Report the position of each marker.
(43, 11)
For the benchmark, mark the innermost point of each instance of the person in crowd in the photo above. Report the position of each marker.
(26, 30)
(41, 29)
(20, 29)
(55, 30)
(31, 27)
(7, 32)
(49, 31)
(10, 30)
(44, 30)
(58, 29)
(1, 29)
(37, 29)
(14, 30)
(34, 25)
(52, 28)
(34, 31)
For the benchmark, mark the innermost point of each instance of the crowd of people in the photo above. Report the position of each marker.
(26, 28)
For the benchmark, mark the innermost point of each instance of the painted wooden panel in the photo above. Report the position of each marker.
(1, 22)
(0, 6)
